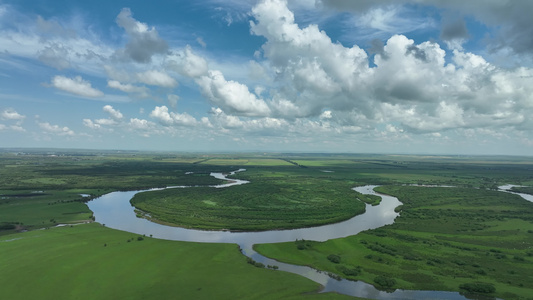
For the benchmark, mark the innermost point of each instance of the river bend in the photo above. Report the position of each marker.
(115, 211)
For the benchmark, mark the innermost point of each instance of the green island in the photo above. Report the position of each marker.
(468, 238)
(275, 198)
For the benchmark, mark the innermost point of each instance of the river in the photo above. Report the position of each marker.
(115, 211)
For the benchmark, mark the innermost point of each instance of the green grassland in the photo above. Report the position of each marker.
(443, 238)
(273, 200)
(93, 262)
(35, 210)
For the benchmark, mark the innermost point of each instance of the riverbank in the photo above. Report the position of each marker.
(444, 238)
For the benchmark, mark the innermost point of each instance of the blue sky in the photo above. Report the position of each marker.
(430, 77)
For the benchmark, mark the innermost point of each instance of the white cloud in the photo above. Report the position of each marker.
(143, 127)
(187, 63)
(76, 86)
(56, 129)
(232, 96)
(115, 114)
(326, 115)
(90, 124)
(161, 114)
(411, 84)
(157, 78)
(141, 124)
(128, 88)
(11, 114)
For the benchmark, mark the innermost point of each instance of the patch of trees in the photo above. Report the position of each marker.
(349, 271)
(254, 263)
(384, 281)
(7, 226)
(478, 287)
(334, 258)
(293, 162)
(382, 249)
(302, 244)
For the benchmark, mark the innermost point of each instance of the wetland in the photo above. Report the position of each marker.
(469, 238)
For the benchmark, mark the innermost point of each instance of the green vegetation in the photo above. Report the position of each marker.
(93, 262)
(41, 189)
(369, 199)
(469, 238)
(522, 189)
(445, 239)
(41, 209)
(478, 287)
(286, 198)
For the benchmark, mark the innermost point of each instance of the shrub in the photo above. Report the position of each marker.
(334, 258)
(384, 281)
(349, 272)
(478, 287)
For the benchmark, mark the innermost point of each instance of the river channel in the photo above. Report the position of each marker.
(115, 211)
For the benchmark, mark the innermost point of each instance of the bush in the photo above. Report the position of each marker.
(349, 272)
(478, 287)
(7, 226)
(384, 281)
(302, 244)
(334, 258)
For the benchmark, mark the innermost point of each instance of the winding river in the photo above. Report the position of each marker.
(115, 211)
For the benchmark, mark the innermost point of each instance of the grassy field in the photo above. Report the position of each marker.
(32, 210)
(443, 238)
(276, 198)
(93, 262)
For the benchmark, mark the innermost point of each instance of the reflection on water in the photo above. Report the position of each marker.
(115, 211)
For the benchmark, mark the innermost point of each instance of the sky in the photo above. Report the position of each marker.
(380, 76)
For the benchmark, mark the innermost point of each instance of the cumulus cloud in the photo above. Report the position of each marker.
(507, 18)
(233, 97)
(76, 86)
(161, 114)
(56, 129)
(116, 118)
(143, 43)
(143, 127)
(412, 84)
(11, 114)
(90, 124)
(115, 114)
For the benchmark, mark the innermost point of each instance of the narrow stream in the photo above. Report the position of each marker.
(115, 211)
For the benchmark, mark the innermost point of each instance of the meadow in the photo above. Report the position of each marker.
(444, 238)
(275, 198)
(90, 261)
(463, 238)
